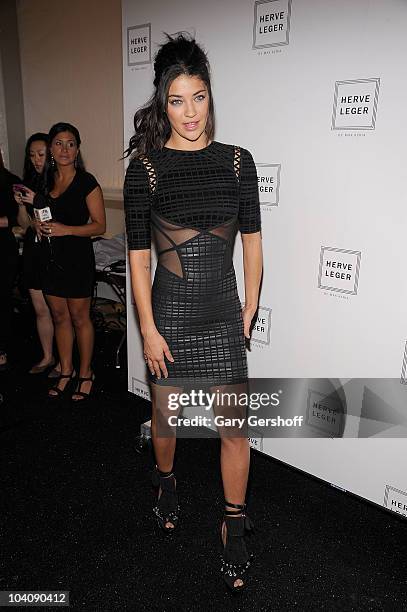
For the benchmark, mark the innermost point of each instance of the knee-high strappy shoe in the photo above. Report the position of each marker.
(166, 509)
(236, 559)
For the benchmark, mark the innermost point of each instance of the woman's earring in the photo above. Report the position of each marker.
(52, 161)
(75, 162)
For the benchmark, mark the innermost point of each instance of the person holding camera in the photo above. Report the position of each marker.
(33, 262)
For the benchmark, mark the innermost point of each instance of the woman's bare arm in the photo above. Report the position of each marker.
(155, 346)
(140, 268)
(253, 268)
(97, 225)
(23, 218)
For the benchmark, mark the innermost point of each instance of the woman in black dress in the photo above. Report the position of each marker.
(73, 197)
(8, 257)
(194, 193)
(33, 264)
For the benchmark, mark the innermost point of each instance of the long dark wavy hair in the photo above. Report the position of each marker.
(31, 178)
(56, 129)
(179, 55)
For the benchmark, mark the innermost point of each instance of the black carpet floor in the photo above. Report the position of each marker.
(76, 513)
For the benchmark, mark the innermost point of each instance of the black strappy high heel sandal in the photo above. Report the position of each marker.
(84, 397)
(236, 559)
(166, 509)
(60, 393)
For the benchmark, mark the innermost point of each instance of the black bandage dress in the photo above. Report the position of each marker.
(193, 203)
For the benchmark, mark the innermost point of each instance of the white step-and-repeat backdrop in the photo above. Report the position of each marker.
(316, 90)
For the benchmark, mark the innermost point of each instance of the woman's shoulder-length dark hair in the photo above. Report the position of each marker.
(181, 54)
(57, 128)
(31, 178)
(63, 126)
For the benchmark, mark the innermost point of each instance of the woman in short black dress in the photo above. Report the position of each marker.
(194, 193)
(33, 264)
(74, 197)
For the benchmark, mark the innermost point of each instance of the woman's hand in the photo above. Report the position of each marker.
(18, 196)
(155, 349)
(248, 313)
(36, 225)
(53, 229)
(27, 197)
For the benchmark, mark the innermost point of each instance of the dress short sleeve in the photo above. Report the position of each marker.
(88, 183)
(249, 204)
(137, 204)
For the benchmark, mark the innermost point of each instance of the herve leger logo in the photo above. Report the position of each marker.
(140, 387)
(325, 414)
(271, 26)
(403, 378)
(355, 104)
(255, 438)
(261, 328)
(268, 178)
(339, 270)
(139, 45)
(395, 500)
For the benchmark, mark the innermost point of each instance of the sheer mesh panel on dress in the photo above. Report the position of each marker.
(225, 231)
(168, 236)
(178, 234)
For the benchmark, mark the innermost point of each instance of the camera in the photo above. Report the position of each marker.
(18, 188)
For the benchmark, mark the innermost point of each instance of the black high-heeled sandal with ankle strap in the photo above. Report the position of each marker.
(60, 393)
(236, 559)
(83, 396)
(166, 509)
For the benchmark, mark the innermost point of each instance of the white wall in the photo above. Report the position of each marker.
(71, 67)
(337, 204)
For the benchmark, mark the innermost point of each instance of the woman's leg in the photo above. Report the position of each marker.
(79, 309)
(162, 434)
(63, 335)
(45, 326)
(235, 449)
(235, 463)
